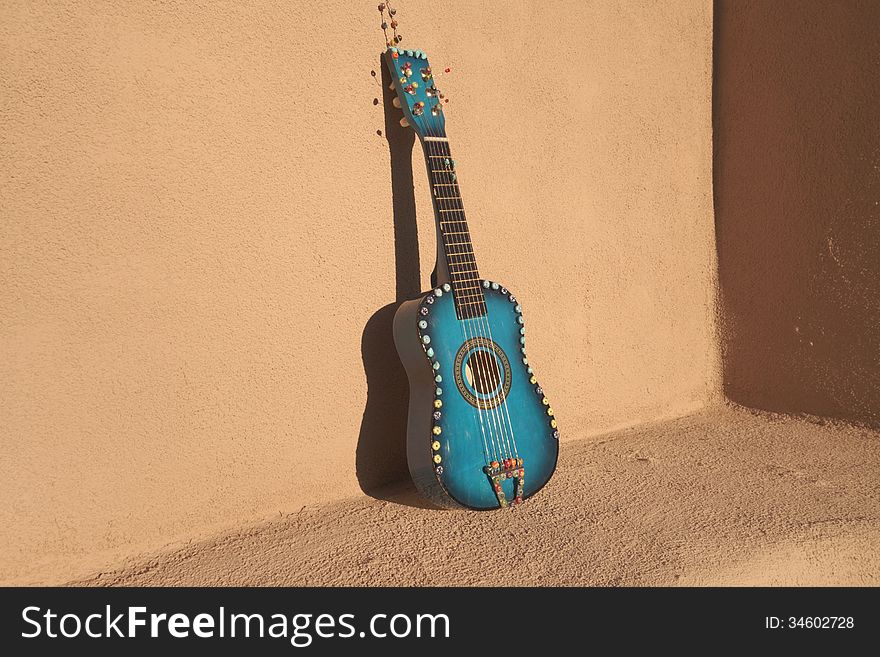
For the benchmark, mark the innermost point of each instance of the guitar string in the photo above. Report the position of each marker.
(435, 150)
(481, 364)
(479, 367)
(511, 440)
(469, 314)
(432, 150)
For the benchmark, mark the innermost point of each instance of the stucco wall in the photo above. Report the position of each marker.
(199, 239)
(797, 201)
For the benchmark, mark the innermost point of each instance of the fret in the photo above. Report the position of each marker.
(445, 184)
(453, 221)
(467, 296)
(472, 303)
(470, 290)
(448, 198)
(449, 203)
(452, 210)
(465, 271)
(450, 243)
(453, 232)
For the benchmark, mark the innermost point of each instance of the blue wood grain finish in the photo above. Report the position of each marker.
(467, 434)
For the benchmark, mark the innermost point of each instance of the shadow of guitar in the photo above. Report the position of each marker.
(381, 451)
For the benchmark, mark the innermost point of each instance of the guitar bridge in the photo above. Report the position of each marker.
(506, 469)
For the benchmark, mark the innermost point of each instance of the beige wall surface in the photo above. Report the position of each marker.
(198, 235)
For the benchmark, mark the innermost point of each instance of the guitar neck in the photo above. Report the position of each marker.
(452, 229)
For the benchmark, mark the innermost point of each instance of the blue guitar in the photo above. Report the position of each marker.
(481, 433)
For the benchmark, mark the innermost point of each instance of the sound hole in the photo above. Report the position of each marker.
(482, 372)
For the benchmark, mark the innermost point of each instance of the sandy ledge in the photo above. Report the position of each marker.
(727, 496)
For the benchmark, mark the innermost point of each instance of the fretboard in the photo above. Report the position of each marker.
(460, 260)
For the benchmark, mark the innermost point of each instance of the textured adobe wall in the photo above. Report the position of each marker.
(198, 246)
(797, 201)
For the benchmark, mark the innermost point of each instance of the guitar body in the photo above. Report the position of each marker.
(501, 416)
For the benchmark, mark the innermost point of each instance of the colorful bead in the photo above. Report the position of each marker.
(438, 391)
(429, 300)
(545, 401)
(525, 361)
(439, 470)
(436, 365)
(437, 414)
(430, 352)
(530, 371)
(426, 339)
(556, 434)
(522, 339)
(437, 431)
(550, 412)
(520, 319)
(533, 380)
(517, 308)
(539, 390)
(522, 331)
(446, 287)
(512, 299)
(424, 310)
(494, 464)
(435, 445)
(553, 423)
(438, 379)
(503, 290)
(438, 292)
(486, 284)
(495, 286)
(438, 403)
(423, 324)
(437, 458)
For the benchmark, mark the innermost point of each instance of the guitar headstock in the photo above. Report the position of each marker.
(417, 93)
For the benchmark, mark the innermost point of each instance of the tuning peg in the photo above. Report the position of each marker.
(396, 102)
(404, 123)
